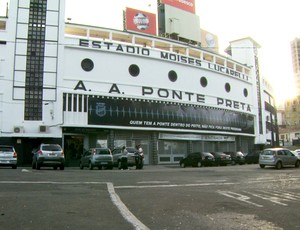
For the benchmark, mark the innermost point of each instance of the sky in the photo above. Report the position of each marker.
(272, 24)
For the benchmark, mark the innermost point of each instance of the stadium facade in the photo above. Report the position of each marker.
(156, 83)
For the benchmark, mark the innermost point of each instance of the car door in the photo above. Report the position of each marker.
(290, 158)
(86, 157)
(116, 155)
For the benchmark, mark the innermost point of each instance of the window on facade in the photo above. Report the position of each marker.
(227, 87)
(35, 60)
(172, 76)
(134, 70)
(203, 81)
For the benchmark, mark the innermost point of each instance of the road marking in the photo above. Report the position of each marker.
(173, 185)
(239, 197)
(124, 210)
(273, 199)
(153, 182)
(128, 216)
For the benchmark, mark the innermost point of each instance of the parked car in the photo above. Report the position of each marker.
(8, 156)
(49, 155)
(123, 159)
(252, 157)
(197, 159)
(297, 152)
(236, 157)
(96, 157)
(278, 157)
(221, 158)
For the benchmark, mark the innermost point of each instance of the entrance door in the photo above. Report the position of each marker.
(73, 149)
(171, 151)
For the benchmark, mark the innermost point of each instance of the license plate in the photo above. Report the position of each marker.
(103, 163)
(52, 154)
(4, 161)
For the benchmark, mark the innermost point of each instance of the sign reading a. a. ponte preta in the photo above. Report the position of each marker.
(128, 112)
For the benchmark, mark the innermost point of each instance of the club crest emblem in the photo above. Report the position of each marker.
(100, 109)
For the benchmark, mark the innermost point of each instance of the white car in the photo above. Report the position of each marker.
(8, 156)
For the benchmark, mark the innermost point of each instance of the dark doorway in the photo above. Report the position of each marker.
(73, 148)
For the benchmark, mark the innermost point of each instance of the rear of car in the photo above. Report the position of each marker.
(8, 156)
(236, 158)
(221, 158)
(49, 155)
(119, 155)
(207, 159)
(278, 157)
(97, 157)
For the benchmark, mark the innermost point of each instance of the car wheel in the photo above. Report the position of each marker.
(91, 166)
(99, 167)
(233, 162)
(80, 165)
(297, 164)
(182, 165)
(14, 167)
(262, 166)
(62, 167)
(278, 165)
(55, 167)
(199, 164)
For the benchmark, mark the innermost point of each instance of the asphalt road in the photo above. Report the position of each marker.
(157, 197)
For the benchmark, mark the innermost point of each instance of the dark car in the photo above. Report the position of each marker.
(197, 159)
(8, 156)
(221, 158)
(236, 157)
(252, 157)
(49, 155)
(96, 157)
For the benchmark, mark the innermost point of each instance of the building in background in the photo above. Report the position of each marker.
(290, 126)
(86, 86)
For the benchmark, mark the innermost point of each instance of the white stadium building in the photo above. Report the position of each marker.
(154, 83)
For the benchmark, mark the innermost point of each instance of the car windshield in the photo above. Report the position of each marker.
(51, 148)
(102, 151)
(6, 149)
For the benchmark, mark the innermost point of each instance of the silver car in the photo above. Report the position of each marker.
(278, 157)
(96, 157)
(49, 155)
(129, 154)
(8, 156)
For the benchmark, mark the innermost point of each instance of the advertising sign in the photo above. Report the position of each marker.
(209, 41)
(110, 111)
(187, 5)
(140, 21)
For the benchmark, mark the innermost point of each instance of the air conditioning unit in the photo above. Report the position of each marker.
(18, 129)
(43, 128)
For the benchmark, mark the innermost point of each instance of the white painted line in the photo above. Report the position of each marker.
(239, 197)
(272, 199)
(124, 210)
(25, 170)
(172, 185)
(153, 182)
